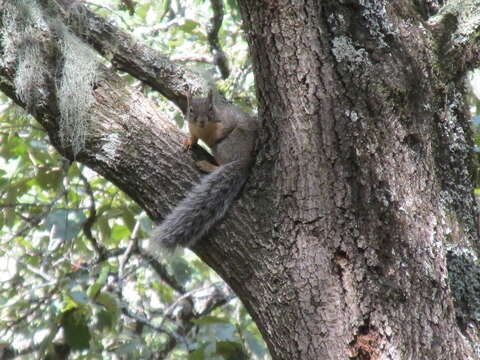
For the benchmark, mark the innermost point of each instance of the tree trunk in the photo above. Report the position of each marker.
(338, 245)
(367, 152)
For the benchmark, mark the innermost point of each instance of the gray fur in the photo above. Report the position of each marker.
(231, 135)
(206, 204)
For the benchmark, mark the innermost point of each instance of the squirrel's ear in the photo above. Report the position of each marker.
(189, 109)
(211, 110)
(210, 98)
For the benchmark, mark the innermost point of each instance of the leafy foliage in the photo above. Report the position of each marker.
(474, 101)
(71, 283)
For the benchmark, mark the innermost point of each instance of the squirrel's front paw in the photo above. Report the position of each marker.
(187, 144)
(205, 166)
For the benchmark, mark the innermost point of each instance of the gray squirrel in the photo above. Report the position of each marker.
(231, 135)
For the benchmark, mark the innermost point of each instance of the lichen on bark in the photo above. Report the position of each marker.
(23, 38)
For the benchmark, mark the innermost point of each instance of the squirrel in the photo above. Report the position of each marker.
(231, 134)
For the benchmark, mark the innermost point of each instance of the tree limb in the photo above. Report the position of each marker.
(136, 148)
(169, 78)
(219, 56)
(99, 249)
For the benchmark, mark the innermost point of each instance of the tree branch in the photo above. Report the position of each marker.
(123, 125)
(162, 272)
(99, 249)
(132, 145)
(193, 305)
(138, 150)
(169, 78)
(219, 56)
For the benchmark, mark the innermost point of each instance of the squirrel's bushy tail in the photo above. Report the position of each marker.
(203, 206)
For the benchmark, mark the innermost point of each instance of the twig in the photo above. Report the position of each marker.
(162, 272)
(216, 298)
(146, 322)
(193, 57)
(123, 259)
(127, 54)
(188, 300)
(22, 127)
(10, 205)
(113, 12)
(219, 56)
(154, 30)
(239, 78)
(99, 249)
(37, 219)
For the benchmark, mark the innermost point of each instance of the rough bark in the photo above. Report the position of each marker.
(371, 181)
(338, 244)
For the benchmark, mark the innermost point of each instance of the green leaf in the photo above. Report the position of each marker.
(128, 218)
(75, 328)
(93, 290)
(142, 9)
(99, 282)
(189, 25)
(120, 232)
(67, 223)
(47, 178)
(209, 320)
(79, 298)
(104, 226)
(231, 350)
(165, 8)
(198, 353)
(3, 173)
(10, 211)
(165, 292)
(179, 119)
(108, 318)
(16, 145)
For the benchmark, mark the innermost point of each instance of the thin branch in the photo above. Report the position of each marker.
(130, 249)
(172, 80)
(239, 78)
(154, 30)
(219, 56)
(39, 272)
(210, 298)
(132, 246)
(37, 219)
(193, 57)
(185, 310)
(22, 127)
(99, 249)
(11, 205)
(162, 272)
(158, 328)
(35, 305)
(112, 11)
